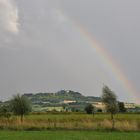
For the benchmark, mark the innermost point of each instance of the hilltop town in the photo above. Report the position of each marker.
(67, 100)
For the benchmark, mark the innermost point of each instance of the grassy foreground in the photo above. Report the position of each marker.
(124, 122)
(68, 135)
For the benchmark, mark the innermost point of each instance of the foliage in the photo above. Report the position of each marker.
(121, 107)
(5, 111)
(110, 100)
(20, 105)
(90, 109)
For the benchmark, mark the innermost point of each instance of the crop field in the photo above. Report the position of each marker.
(72, 121)
(68, 135)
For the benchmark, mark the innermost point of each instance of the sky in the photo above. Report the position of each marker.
(50, 45)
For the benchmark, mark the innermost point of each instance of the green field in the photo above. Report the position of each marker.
(68, 135)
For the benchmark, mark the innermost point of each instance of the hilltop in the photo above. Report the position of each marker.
(68, 99)
(59, 97)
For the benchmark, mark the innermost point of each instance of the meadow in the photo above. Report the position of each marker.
(72, 121)
(68, 135)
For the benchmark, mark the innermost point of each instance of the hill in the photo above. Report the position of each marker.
(59, 97)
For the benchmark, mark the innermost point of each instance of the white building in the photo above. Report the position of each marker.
(99, 106)
(129, 105)
(69, 101)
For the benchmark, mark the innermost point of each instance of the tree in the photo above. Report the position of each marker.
(90, 109)
(20, 106)
(110, 100)
(5, 111)
(121, 107)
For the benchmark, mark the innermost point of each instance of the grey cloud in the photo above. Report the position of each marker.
(50, 54)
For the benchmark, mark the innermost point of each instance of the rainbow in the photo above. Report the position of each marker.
(106, 58)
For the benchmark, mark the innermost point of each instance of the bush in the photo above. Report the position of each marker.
(89, 109)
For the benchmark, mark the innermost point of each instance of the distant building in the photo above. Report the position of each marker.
(129, 105)
(59, 109)
(69, 101)
(99, 106)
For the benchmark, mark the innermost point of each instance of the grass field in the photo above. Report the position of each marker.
(124, 122)
(68, 135)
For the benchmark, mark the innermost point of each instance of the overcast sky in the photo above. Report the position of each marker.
(42, 49)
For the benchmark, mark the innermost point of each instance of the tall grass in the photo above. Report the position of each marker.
(124, 122)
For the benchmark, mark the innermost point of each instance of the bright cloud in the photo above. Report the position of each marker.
(9, 16)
